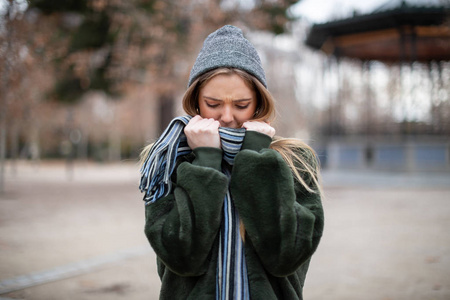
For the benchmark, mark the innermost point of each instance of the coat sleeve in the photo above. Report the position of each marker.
(283, 221)
(182, 226)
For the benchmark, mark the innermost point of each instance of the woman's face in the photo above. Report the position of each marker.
(227, 99)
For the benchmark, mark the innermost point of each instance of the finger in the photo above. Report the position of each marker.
(214, 124)
(195, 119)
(250, 124)
(245, 124)
(203, 124)
(260, 127)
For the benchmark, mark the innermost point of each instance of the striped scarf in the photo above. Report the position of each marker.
(231, 275)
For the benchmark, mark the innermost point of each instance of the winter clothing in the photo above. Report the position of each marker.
(283, 223)
(227, 47)
(160, 162)
(193, 213)
(231, 274)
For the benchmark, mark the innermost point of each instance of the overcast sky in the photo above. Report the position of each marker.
(321, 11)
(316, 11)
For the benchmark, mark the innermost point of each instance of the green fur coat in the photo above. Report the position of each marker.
(283, 222)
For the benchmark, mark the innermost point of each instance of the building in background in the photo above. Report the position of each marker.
(357, 113)
(386, 76)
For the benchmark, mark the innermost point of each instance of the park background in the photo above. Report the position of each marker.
(86, 84)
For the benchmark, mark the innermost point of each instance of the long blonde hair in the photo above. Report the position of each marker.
(306, 163)
(300, 157)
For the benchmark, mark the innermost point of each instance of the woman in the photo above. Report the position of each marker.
(232, 212)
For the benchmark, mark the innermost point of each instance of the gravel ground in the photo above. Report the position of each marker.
(78, 234)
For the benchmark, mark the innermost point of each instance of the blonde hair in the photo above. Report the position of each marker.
(265, 107)
(265, 110)
(306, 163)
(300, 157)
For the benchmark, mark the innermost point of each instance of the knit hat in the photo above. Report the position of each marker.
(227, 47)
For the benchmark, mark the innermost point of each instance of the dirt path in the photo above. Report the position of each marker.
(383, 241)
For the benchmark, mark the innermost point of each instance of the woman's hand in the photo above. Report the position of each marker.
(202, 132)
(259, 126)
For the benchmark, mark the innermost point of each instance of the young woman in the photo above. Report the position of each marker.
(231, 211)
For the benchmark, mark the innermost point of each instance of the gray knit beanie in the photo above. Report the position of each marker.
(227, 47)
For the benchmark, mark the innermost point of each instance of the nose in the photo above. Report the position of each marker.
(226, 116)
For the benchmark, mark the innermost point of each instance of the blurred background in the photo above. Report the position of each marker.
(97, 80)
(86, 84)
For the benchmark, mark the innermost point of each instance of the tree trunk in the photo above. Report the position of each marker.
(114, 139)
(4, 98)
(165, 111)
(14, 154)
(2, 153)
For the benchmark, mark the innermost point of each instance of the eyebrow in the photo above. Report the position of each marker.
(237, 100)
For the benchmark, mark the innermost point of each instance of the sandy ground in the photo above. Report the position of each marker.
(385, 238)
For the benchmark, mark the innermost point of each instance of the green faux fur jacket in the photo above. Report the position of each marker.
(283, 222)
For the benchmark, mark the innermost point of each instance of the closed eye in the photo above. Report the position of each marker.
(212, 105)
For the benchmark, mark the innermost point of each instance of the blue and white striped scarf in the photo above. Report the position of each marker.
(231, 276)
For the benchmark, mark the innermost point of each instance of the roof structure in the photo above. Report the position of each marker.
(397, 31)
